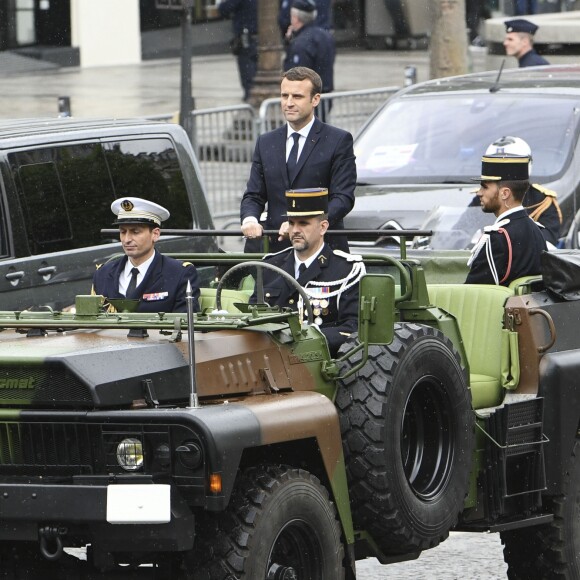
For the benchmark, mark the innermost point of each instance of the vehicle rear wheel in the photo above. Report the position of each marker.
(280, 525)
(408, 436)
(552, 550)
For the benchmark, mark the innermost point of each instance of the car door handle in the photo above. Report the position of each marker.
(15, 275)
(46, 270)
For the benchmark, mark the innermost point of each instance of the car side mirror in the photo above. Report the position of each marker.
(376, 321)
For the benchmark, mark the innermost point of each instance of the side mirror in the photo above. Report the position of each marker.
(376, 321)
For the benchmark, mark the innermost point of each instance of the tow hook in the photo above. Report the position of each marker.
(51, 542)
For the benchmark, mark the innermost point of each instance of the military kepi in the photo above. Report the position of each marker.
(503, 168)
(306, 202)
(304, 5)
(134, 210)
(520, 25)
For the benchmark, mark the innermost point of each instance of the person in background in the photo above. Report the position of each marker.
(310, 45)
(540, 203)
(157, 281)
(244, 45)
(305, 152)
(329, 278)
(522, 7)
(519, 42)
(512, 246)
(323, 16)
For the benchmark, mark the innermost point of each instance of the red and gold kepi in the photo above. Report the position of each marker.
(306, 202)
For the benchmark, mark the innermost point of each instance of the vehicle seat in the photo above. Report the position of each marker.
(229, 298)
(479, 310)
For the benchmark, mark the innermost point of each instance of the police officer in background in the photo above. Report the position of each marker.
(519, 42)
(244, 45)
(310, 45)
(158, 282)
(330, 278)
(512, 246)
(323, 16)
(540, 202)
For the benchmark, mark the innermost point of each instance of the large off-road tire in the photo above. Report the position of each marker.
(408, 436)
(553, 550)
(280, 525)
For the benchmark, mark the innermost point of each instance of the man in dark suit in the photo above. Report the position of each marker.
(159, 282)
(305, 153)
(512, 246)
(329, 277)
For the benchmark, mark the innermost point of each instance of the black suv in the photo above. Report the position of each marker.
(58, 178)
(417, 154)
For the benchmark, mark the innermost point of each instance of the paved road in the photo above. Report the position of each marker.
(462, 556)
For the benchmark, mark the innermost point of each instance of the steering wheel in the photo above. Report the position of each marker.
(279, 271)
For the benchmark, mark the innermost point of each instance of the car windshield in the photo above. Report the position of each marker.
(441, 139)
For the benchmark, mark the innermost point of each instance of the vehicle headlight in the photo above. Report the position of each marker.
(130, 454)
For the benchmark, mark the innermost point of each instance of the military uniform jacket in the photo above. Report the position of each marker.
(340, 317)
(513, 249)
(327, 160)
(313, 47)
(532, 58)
(535, 197)
(161, 290)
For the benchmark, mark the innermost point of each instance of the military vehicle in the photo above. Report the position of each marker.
(256, 455)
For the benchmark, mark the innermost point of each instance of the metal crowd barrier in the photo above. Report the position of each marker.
(223, 139)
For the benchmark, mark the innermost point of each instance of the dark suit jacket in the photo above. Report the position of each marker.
(527, 245)
(162, 289)
(342, 318)
(327, 160)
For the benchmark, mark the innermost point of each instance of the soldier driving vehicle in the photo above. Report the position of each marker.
(330, 278)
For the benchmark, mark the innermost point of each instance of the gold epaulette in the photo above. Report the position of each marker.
(547, 192)
(549, 200)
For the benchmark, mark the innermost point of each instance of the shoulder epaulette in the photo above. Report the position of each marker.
(277, 253)
(348, 257)
(547, 192)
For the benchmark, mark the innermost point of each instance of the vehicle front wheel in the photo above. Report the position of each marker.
(280, 525)
(551, 550)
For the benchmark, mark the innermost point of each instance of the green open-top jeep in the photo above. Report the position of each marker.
(256, 455)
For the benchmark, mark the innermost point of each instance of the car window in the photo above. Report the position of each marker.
(65, 192)
(441, 139)
(150, 168)
(65, 195)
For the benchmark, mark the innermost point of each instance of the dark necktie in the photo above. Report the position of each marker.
(301, 270)
(293, 157)
(132, 283)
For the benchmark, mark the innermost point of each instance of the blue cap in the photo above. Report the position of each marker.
(304, 5)
(520, 25)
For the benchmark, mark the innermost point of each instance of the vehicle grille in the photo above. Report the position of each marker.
(62, 449)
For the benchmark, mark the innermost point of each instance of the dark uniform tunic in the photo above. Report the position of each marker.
(532, 58)
(543, 208)
(338, 315)
(314, 48)
(512, 246)
(161, 290)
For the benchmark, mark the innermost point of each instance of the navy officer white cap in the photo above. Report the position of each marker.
(135, 210)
